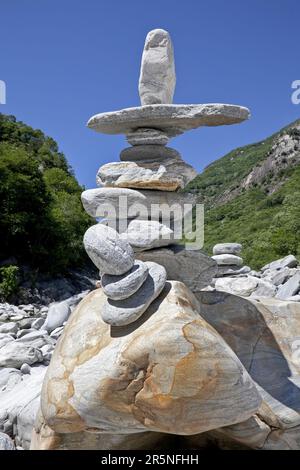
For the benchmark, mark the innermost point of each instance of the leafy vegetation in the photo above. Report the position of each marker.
(8, 281)
(41, 218)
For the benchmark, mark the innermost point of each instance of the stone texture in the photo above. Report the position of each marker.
(14, 354)
(287, 262)
(226, 259)
(264, 334)
(192, 267)
(129, 201)
(182, 379)
(124, 312)
(9, 327)
(172, 119)
(147, 234)
(150, 153)
(164, 176)
(231, 270)
(290, 288)
(245, 286)
(144, 136)
(121, 287)
(227, 248)
(157, 75)
(57, 314)
(107, 250)
(6, 442)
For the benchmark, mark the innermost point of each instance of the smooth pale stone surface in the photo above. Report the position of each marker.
(121, 287)
(277, 277)
(172, 119)
(124, 312)
(15, 353)
(246, 286)
(170, 372)
(128, 202)
(287, 262)
(164, 176)
(9, 377)
(9, 327)
(150, 153)
(192, 267)
(107, 250)
(144, 136)
(264, 334)
(6, 443)
(224, 260)
(157, 75)
(147, 234)
(290, 288)
(232, 270)
(57, 314)
(227, 248)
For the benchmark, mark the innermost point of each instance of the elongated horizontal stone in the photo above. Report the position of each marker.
(172, 119)
(224, 260)
(147, 234)
(124, 312)
(123, 203)
(169, 176)
(124, 286)
(227, 248)
(144, 136)
(150, 153)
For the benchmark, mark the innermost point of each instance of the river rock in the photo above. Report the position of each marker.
(150, 153)
(6, 443)
(9, 377)
(238, 286)
(157, 75)
(57, 314)
(287, 262)
(166, 176)
(14, 354)
(227, 248)
(124, 312)
(107, 250)
(172, 119)
(192, 267)
(121, 287)
(289, 288)
(130, 203)
(9, 327)
(169, 372)
(231, 270)
(144, 136)
(224, 260)
(25, 368)
(277, 277)
(147, 234)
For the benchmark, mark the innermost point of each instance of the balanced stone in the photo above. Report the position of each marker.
(157, 75)
(128, 203)
(223, 260)
(156, 175)
(147, 234)
(227, 248)
(150, 153)
(121, 287)
(107, 250)
(232, 270)
(127, 311)
(144, 136)
(172, 119)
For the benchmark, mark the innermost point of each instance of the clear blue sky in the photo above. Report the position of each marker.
(65, 60)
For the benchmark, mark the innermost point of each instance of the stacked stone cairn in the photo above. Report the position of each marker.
(227, 257)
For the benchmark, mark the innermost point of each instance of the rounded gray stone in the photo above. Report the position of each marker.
(227, 248)
(155, 153)
(25, 368)
(172, 119)
(147, 234)
(124, 312)
(144, 136)
(6, 443)
(226, 259)
(107, 250)
(124, 286)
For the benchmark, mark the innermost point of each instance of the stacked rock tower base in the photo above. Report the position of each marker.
(137, 362)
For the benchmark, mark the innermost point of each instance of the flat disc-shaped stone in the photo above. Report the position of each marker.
(172, 119)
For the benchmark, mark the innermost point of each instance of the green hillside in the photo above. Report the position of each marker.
(41, 218)
(252, 196)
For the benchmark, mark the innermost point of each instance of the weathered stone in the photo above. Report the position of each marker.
(9, 327)
(9, 377)
(6, 443)
(36, 338)
(227, 248)
(277, 277)
(25, 368)
(121, 287)
(192, 267)
(157, 76)
(38, 323)
(232, 270)
(14, 354)
(224, 260)
(144, 136)
(182, 379)
(290, 288)
(57, 314)
(172, 119)
(264, 289)
(238, 286)
(107, 250)
(124, 312)
(150, 153)
(147, 234)
(132, 203)
(287, 262)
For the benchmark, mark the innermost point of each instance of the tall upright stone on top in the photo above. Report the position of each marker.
(157, 77)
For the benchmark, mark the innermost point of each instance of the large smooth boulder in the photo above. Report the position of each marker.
(168, 372)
